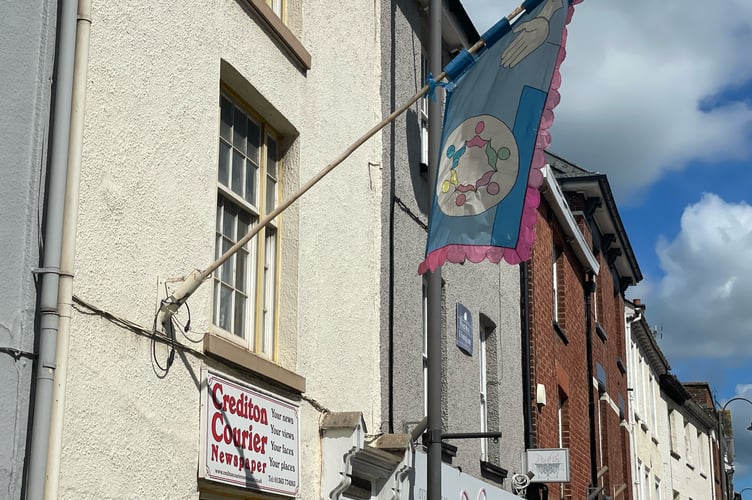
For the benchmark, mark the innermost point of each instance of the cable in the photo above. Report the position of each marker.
(17, 354)
(84, 307)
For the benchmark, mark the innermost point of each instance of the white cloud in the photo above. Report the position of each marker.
(703, 300)
(634, 80)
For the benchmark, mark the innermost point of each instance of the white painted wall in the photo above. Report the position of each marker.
(340, 219)
(148, 193)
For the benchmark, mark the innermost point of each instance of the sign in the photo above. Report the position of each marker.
(464, 329)
(455, 485)
(550, 465)
(249, 438)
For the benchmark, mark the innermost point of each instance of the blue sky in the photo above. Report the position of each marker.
(658, 95)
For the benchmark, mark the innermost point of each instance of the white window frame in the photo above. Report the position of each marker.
(555, 282)
(653, 405)
(278, 7)
(688, 443)
(240, 198)
(483, 355)
(423, 112)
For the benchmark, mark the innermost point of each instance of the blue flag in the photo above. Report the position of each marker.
(498, 109)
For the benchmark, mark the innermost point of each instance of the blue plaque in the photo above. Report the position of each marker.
(464, 329)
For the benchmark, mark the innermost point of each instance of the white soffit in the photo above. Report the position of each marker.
(556, 198)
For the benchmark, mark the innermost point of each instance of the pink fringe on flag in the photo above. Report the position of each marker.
(477, 253)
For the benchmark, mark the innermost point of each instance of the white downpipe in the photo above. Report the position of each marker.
(68, 250)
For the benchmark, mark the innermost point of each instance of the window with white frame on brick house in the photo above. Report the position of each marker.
(555, 281)
(245, 287)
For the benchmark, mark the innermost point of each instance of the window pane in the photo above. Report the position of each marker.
(269, 292)
(250, 183)
(228, 220)
(215, 315)
(224, 163)
(239, 326)
(220, 202)
(271, 195)
(237, 172)
(227, 266)
(225, 305)
(240, 274)
(239, 130)
(244, 221)
(225, 127)
(271, 157)
(217, 246)
(254, 141)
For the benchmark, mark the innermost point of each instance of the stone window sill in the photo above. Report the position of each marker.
(282, 32)
(246, 360)
(561, 332)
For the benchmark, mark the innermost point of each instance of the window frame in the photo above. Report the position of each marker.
(556, 287)
(279, 7)
(423, 112)
(263, 263)
(483, 362)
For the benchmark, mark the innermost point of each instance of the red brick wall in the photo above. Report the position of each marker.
(606, 352)
(560, 364)
(556, 364)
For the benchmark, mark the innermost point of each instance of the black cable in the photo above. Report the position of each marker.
(84, 307)
(17, 354)
(187, 323)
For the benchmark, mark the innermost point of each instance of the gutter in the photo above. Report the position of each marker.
(589, 285)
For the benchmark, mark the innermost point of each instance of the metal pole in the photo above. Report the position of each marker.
(433, 348)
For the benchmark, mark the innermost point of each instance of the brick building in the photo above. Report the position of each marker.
(581, 264)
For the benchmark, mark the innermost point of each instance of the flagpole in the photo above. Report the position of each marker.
(434, 337)
(181, 294)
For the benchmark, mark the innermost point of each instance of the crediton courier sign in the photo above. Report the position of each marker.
(249, 437)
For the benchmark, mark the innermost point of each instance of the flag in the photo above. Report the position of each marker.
(499, 107)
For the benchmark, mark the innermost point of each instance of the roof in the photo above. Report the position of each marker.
(573, 178)
(645, 339)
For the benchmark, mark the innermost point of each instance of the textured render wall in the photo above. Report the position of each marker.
(148, 193)
(687, 477)
(403, 239)
(27, 49)
(485, 288)
(340, 227)
(653, 446)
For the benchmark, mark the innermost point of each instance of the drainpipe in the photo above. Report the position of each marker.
(527, 383)
(48, 318)
(589, 283)
(535, 490)
(68, 250)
